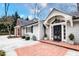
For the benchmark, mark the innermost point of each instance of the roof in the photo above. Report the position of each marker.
(76, 14)
(23, 22)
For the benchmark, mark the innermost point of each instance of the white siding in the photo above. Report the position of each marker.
(48, 32)
(23, 31)
(35, 30)
(74, 30)
(38, 30)
(41, 30)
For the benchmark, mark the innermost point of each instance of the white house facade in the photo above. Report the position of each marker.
(60, 25)
(33, 27)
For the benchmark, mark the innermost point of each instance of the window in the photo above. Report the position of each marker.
(64, 31)
(29, 29)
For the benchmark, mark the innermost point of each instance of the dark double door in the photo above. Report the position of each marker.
(57, 33)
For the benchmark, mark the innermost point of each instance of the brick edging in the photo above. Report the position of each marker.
(60, 46)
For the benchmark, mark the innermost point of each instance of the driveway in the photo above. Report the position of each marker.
(44, 49)
(9, 45)
(21, 47)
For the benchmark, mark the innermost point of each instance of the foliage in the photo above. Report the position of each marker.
(27, 19)
(23, 37)
(11, 36)
(2, 53)
(71, 36)
(15, 17)
(45, 35)
(7, 23)
(27, 38)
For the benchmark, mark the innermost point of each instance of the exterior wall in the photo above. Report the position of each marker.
(35, 30)
(74, 30)
(48, 32)
(23, 30)
(18, 31)
(40, 30)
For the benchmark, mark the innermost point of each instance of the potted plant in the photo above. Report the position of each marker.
(71, 37)
(45, 37)
(2, 53)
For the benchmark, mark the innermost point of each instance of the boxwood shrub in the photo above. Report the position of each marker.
(27, 38)
(71, 36)
(23, 37)
(2, 53)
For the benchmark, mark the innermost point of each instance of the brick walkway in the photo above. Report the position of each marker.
(41, 49)
(62, 44)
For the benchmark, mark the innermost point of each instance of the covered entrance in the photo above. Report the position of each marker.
(58, 29)
(57, 33)
(56, 25)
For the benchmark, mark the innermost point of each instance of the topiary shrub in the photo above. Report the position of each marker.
(27, 38)
(2, 53)
(23, 37)
(71, 36)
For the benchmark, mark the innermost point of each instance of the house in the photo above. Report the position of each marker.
(33, 26)
(59, 25)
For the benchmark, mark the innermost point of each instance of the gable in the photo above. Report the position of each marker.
(54, 13)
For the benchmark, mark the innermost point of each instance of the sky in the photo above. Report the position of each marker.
(43, 9)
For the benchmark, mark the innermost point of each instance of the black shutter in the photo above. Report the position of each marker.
(26, 29)
(32, 29)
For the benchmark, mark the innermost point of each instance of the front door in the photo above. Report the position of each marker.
(57, 32)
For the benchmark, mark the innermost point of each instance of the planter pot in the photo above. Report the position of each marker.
(71, 42)
(45, 38)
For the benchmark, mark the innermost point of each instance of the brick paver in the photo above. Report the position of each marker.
(41, 49)
(63, 44)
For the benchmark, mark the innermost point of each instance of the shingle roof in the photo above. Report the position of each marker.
(71, 13)
(23, 22)
(76, 14)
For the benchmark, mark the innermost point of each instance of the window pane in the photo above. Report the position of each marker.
(64, 31)
(28, 29)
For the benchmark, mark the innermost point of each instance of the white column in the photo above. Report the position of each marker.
(71, 23)
(50, 32)
(62, 34)
(66, 32)
(38, 31)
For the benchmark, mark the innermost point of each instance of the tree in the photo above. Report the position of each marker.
(6, 8)
(15, 16)
(6, 11)
(8, 22)
(27, 19)
(38, 9)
